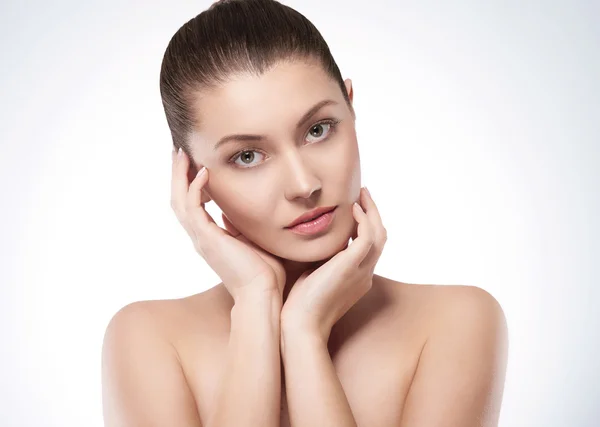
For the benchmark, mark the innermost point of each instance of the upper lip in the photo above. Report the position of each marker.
(311, 215)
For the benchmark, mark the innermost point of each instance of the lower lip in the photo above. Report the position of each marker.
(314, 226)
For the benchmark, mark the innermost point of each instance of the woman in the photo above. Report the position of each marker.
(300, 331)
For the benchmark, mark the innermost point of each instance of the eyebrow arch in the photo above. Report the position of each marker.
(312, 111)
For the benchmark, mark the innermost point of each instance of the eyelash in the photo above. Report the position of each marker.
(332, 129)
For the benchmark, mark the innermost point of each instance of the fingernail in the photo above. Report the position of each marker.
(368, 193)
(201, 171)
(180, 153)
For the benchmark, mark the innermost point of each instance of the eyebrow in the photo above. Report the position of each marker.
(242, 137)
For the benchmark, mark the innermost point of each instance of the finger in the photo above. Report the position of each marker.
(360, 247)
(194, 195)
(203, 223)
(380, 233)
(354, 228)
(354, 252)
(372, 211)
(190, 213)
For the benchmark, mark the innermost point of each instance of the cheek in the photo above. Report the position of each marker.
(344, 169)
(242, 203)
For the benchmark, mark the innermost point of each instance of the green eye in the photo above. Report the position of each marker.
(246, 157)
(325, 127)
(317, 129)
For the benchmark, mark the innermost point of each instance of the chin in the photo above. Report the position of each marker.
(299, 249)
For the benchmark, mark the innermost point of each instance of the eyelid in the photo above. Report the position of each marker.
(233, 158)
(330, 121)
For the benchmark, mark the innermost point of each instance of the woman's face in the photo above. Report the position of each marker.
(293, 163)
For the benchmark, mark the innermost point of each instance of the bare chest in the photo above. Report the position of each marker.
(374, 362)
(375, 383)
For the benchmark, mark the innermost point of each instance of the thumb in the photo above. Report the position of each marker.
(355, 231)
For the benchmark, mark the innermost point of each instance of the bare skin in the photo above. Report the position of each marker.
(375, 357)
(360, 349)
(377, 349)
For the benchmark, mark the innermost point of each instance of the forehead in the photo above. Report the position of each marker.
(260, 104)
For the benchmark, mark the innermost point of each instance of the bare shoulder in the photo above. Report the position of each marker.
(459, 378)
(143, 380)
(466, 309)
(470, 318)
(441, 305)
(164, 318)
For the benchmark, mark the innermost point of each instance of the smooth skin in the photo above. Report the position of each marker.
(329, 343)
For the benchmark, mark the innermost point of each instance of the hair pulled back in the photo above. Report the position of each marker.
(231, 37)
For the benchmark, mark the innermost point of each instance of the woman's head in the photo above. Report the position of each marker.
(260, 69)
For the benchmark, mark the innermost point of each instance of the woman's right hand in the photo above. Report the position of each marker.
(241, 265)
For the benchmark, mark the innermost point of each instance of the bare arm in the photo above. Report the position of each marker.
(318, 299)
(459, 380)
(143, 383)
(250, 390)
(314, 393)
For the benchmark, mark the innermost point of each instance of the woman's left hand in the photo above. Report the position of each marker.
(319, 298)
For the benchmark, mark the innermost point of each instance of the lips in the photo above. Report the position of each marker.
(307, 216)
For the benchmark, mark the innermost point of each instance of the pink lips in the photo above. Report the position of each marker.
(316, 225)
(310, 215)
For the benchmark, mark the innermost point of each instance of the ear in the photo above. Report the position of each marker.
(349, 89)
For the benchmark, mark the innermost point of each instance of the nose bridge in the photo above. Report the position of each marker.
(300, 180)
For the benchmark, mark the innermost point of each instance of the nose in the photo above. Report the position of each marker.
(301, 181)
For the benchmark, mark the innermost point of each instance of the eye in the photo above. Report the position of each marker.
(246, 157)
(320, 131)
(322, 128)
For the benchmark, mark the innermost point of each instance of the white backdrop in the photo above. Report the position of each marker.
(478, 124)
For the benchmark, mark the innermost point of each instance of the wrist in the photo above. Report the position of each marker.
(266, 301)
(263, 290)
(301, 339)
(303, 329)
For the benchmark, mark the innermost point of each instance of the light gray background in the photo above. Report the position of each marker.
(478, 124)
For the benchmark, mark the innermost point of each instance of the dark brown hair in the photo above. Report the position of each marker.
(234, 36)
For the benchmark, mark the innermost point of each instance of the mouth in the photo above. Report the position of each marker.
(311, 215)
(314, 225)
